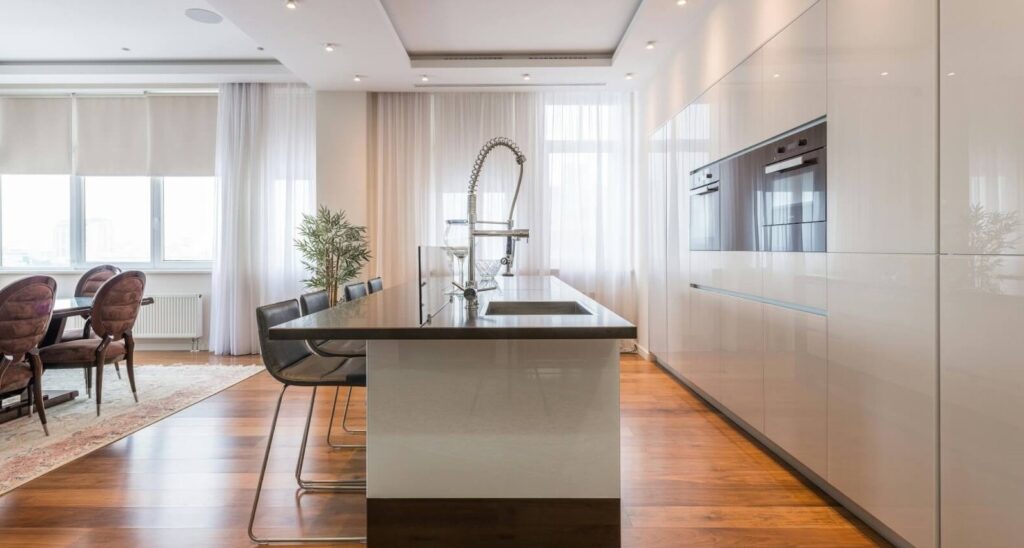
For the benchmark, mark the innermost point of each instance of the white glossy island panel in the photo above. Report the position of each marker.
(493, 419)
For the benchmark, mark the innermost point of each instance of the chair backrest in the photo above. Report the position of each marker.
(278, 355)
(376, 284)
(116, 305)
(355, 291)
(314, 302)
(25, 309)
(95, 277)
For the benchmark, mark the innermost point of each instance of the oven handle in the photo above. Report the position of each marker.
(792, 163)
(706, 191)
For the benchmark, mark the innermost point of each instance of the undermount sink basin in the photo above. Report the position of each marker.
(536, 308)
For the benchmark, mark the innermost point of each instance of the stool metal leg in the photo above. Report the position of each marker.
(321, 485)
(330, 426)
(259, 489)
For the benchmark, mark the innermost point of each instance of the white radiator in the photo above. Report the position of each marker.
(169, 317)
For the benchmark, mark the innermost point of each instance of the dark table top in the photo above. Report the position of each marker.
(76, 306)
(394, 314)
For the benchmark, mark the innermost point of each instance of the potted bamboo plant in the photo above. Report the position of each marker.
(333, 250)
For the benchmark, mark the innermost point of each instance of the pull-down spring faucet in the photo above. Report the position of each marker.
(470, 290)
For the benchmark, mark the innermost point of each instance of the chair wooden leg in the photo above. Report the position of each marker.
(117, 369)
(88, 382)
(129, 363)
(37, 389)
(99, 387)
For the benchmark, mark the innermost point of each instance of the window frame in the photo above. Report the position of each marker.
(77, 235)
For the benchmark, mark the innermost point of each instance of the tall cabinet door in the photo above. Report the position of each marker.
(982, 139)
(742, 348)
(794, 73)
(741, 106)
(657, 171)
(678, 242)
(882, 123)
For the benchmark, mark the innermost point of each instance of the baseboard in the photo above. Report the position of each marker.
(456, 523)
(789, 460)
(645, 354)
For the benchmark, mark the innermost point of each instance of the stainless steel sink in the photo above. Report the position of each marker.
(536, 308)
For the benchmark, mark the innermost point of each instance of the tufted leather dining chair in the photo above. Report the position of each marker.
(292, 364)
(25, 309)
(87, 286)
(114, 311)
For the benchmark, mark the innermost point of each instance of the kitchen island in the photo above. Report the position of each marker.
(498, 428)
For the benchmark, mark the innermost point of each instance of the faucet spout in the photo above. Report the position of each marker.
(470, 291)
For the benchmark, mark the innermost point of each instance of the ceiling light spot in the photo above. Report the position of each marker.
(200, 15)
(259, 48)
(526, 77)
(650, 45)
(329, 47)
(126, 49)
(629, 76)
(424, 78)
(950, 74)
(357, 78)
(776, 75)
(680, 2)
(884, 74)
(290, 4)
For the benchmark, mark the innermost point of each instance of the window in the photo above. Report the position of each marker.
(61, 221)
(35, 216)
(190, 216)
(117, 219)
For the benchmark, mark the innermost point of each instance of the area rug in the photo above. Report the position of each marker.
(26, 453)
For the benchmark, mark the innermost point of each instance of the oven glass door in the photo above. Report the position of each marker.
(793, 203)
(705, 207)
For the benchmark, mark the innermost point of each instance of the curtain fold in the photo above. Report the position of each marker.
(578, 185)
(266, 166)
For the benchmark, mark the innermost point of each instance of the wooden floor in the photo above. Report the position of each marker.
(689, 478)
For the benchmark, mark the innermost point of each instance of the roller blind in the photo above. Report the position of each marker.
(35, 135)
(182, 135)
(111, 136)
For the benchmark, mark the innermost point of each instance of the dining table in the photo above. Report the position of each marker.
(63, 309)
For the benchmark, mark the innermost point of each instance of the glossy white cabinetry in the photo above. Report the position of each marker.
(982, 411)
(708, 124)
(677, 243)
(701, 356)
(882, 381)
(882, 187)
(657, 169)
(742, 272)
(982, 138)
(796, 278)
(741, 358)
(795, 384)
(706, 268)
(741, 115)
(794, 73)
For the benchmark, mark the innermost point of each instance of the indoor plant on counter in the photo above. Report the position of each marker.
(333, 250)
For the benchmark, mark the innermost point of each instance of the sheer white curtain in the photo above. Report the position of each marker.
(578, 188)
(266, 169)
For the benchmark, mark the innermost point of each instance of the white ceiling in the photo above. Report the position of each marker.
(521, 26)
(79, 42)
(49, 30)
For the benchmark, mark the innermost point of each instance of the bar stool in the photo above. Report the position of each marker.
(315, 302)
(292, 364)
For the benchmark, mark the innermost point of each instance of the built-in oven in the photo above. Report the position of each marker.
(705, 211)
(793, 193)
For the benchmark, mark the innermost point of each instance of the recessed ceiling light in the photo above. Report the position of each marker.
(650, 45)
(424, 78)
(290, 4)
(200, 15)
(259, 48)
(950, 74)
(357, 78)
(884, 74)
(776, 75)
(526, 77)
(680, 2)
(329, 47)
(629, 76)
(126, 49)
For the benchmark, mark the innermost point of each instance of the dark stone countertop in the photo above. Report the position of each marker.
(394, 314)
